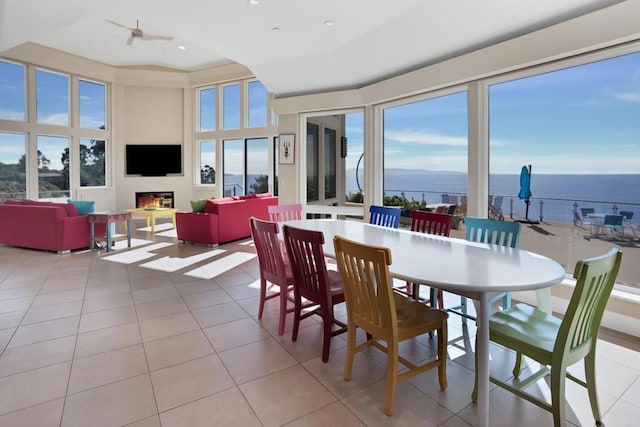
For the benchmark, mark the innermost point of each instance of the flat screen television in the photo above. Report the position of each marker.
(153, 159)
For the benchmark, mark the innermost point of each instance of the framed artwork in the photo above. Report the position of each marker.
(287, 148)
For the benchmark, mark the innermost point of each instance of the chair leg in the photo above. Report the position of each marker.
(284, 296)
(517, 367)
(590, 379)
(558, 380)
(296, 317)
(392, 377)
(442, 355)
(351, 346)
(263, 295)
(327, 322)
(463, 305)
(474, 393)
(506, 301)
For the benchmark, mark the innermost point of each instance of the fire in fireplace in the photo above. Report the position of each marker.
(158, 199)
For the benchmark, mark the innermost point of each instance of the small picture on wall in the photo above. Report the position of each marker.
(286, 149)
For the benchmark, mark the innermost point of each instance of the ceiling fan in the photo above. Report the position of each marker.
(138, 33)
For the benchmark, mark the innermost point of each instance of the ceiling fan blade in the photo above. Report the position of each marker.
(119, 25)
(130, 40)
(146, 36)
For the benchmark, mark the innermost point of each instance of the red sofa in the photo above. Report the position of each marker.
(223, 220)
(44, 225)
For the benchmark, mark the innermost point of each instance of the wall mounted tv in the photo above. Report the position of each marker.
(153, 159)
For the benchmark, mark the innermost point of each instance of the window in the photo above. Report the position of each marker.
(329, 163)
(53, 167)
(92, 104)
(207, 162)
(231, 106)
(578, 128)
(92, 162)
(13, 161)
(354, 162)
(207, 109)
(425, 152)
(257, 100)
(12, 91)
(233, 163)
(52, 98)
(313, 169)
(257, 179)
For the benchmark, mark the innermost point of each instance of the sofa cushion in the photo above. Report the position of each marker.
(69, 208)
(198, 205)
(83, 207)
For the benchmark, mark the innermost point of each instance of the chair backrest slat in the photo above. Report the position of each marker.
(482, 230)
(613, 220)
(279, 213)
(431, 223)
(269, 250)
(384, 215)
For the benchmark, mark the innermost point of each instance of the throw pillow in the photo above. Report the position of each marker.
(198, 205)
(83, 207)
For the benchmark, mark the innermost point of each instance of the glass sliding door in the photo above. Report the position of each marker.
(257, 179)
(233, 164)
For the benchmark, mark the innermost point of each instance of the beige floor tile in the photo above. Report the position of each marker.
(234, 334)
(227, 408)
(44, 331)
(107, 318)
(5, 336)
(194, 287)
(189, 381)
(206, 299)
(58, 297)
(114, 404)
(63, 285)
(104, 290)
(147, 422)
(172, 324)
(305, 395)
(460, 381)
(24, 291)
(12, 319)
(33, 387)
(52, 312)
(107, 339)
(154, 294)
(15, 304)
(28, 357)
(334, 414)
(256, 360)
(160, 308)
(176, 349)
(106, 302)
(221, 313)
(308, 345)
(234, 278)
(250, 290)
(47, 414)
(108, 367)
(622, 414)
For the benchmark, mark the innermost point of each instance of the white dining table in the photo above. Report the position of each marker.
(473, 270)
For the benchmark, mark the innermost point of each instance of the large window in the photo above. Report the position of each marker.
(208, 109)
(425, 152)
(330, 165)
(207, 162)
(257, 100)
(92, 104)
(231, 106)
(53, 167)
(13, 177)
(52, 98)
(12, 91)
(233, 160)
(313, 162)
(92, 163)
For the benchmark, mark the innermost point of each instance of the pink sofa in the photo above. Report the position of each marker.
(223, 220)
(44, 225)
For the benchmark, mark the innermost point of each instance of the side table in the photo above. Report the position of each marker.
(108, 217)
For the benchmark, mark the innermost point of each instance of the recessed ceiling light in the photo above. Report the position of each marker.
(253, 2)
(329, 22)
(276, 29)
(181, 47)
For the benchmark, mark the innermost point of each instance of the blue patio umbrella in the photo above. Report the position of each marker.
(525, 187)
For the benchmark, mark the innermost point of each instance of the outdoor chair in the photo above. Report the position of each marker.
(279, 213)
(627, 216)
(384, 215)
(385, 315)
(612, 224)
(273, 268)
(313, 284)
(495, 232)
(558, 343)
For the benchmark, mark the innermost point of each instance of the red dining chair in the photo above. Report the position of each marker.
(273, 268)
(319, 287)
(430, 223)
(279, 213)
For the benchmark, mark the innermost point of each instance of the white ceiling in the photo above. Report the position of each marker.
(371, 39)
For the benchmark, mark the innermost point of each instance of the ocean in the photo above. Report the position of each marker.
(558, 192)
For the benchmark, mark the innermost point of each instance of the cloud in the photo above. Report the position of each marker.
(12, 115)
(628, 96)
(59, 119)
(426, 138)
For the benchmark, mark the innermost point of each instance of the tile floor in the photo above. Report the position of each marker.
(166, 334)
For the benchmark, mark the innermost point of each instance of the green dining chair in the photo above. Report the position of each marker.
(483, 230)
(558, 343)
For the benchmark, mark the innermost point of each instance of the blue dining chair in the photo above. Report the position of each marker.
(384, 215)
(482, 230)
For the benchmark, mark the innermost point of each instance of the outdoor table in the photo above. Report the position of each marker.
(473, 270)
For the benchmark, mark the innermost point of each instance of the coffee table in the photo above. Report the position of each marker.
(152, 214)
(108, 217)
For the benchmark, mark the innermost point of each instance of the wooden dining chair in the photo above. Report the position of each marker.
(555, 343)
(273, 268)
(321, 289)
(483, 230)
(279, 213)
(430, 223)
(384, 215)
(385, 315)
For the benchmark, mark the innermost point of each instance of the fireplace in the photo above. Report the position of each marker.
(159, 199)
